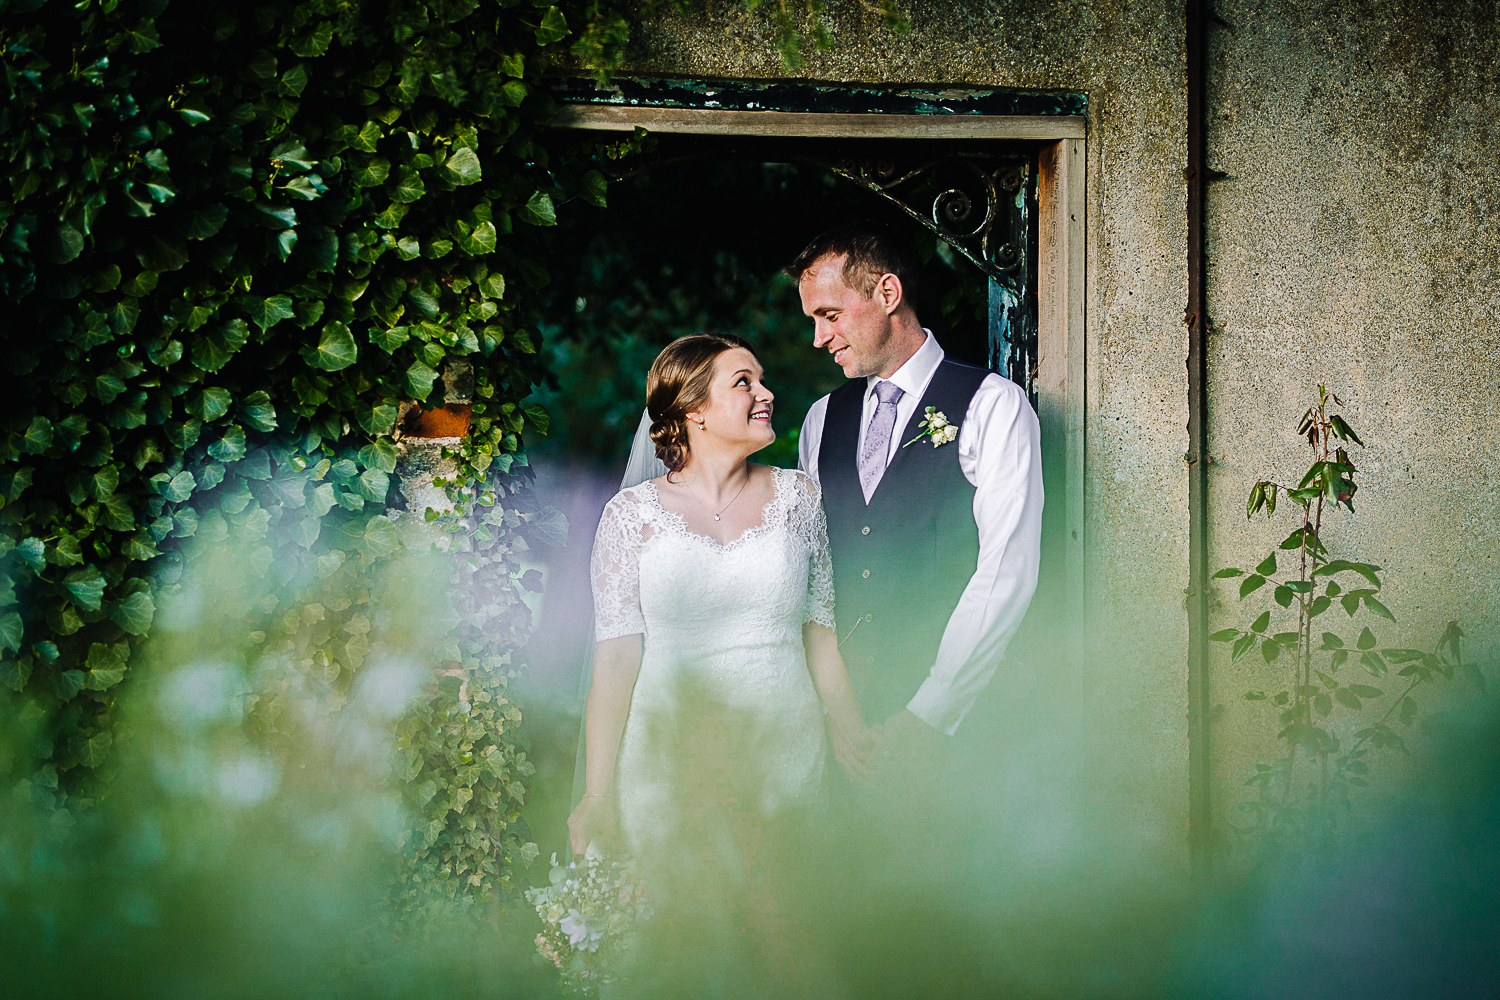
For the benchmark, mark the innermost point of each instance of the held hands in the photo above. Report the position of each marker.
(906, 748)
(853, 745)
(594, 820)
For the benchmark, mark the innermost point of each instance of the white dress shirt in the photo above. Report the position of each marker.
(1000, 454)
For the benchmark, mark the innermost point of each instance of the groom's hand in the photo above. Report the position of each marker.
(905, 749)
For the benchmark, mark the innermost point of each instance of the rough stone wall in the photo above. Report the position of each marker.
(1355, 242)
(1360, 143)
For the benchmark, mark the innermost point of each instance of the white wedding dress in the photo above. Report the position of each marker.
(724, 715)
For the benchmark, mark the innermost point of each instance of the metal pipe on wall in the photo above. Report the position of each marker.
(1200, 814)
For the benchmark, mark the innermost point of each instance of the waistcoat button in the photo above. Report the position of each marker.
(865, 530)
(865, 574)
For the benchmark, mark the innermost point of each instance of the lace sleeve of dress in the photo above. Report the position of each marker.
(809, 522)
(615, 569)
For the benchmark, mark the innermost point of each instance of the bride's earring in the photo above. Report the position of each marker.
(700, 425)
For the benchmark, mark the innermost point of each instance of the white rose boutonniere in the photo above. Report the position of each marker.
(935, 428)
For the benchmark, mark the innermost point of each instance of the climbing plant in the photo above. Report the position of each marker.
(233, 241)
(1330, 724)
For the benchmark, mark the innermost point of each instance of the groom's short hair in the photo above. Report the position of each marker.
(869, 251)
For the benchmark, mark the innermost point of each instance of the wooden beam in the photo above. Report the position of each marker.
(709, 121)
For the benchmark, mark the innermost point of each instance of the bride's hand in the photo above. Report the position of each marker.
(853, 743)
(593, 820)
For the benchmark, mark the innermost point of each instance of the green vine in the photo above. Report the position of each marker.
(1303, 797)
(233, 242)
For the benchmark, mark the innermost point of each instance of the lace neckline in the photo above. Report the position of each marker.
(680, 525)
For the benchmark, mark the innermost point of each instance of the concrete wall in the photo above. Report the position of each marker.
(1356, 243)
(1360, 140)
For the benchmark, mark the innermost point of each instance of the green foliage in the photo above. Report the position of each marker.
(1300, 811)
(232, 242)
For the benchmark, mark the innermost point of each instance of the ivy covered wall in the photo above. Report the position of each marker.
(233, 240)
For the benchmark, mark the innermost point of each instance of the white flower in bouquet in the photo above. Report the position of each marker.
(588, 913)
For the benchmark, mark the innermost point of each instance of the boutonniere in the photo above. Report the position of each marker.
(935, 428)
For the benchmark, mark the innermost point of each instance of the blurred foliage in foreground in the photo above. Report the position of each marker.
(251, 838)
(221, 867)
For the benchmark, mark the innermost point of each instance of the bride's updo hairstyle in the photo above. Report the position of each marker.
(678, 383)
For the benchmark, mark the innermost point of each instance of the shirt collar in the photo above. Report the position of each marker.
(912, 377)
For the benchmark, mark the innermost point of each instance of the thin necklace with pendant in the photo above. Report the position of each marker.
(722, 509)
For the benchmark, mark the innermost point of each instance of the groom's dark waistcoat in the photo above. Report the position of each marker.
(901, 562)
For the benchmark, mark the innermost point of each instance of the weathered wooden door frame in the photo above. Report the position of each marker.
(1062, 226)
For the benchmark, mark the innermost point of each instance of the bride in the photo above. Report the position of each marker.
(716, 656)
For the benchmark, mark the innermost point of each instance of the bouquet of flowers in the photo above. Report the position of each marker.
(588, 913)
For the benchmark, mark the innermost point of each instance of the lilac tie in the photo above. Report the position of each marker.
(872, 460)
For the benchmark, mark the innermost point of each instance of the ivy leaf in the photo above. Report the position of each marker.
(1366, 691)
(102, 484)
(419, 380)
(135, 613)
(481, 240)
(38, 437)
(374, 484)
(372, 173)
(389, 339)
(365, 139)
(554, 27)
(408, 187)
(594, 186)
(323, 500)
(33, 552)
(1225, 635)
(377, 419)
(1228, 572)
(1366, 639)
(463, 168)
(65, 245)
(174, 489)
(231, 446)
(106, 665)
(1262, 622)
(258, 411)
(1347, 698)
(550, 527)
(266, 313)
(12, 631)
(207, 222)
(210, 404)
(313, 41)
(1252, 583)
(157, 254)
(539, 210)
(336, 349)
(380, 455)
(85, 587)
(95, 749)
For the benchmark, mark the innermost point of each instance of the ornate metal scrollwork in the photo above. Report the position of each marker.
(981, 207)
(975, 204)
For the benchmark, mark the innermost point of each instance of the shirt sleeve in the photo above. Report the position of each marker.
(813, 526)
(614, 569)
(1000, 450)
(810, 439)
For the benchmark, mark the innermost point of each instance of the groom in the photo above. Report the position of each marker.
(935, 543)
